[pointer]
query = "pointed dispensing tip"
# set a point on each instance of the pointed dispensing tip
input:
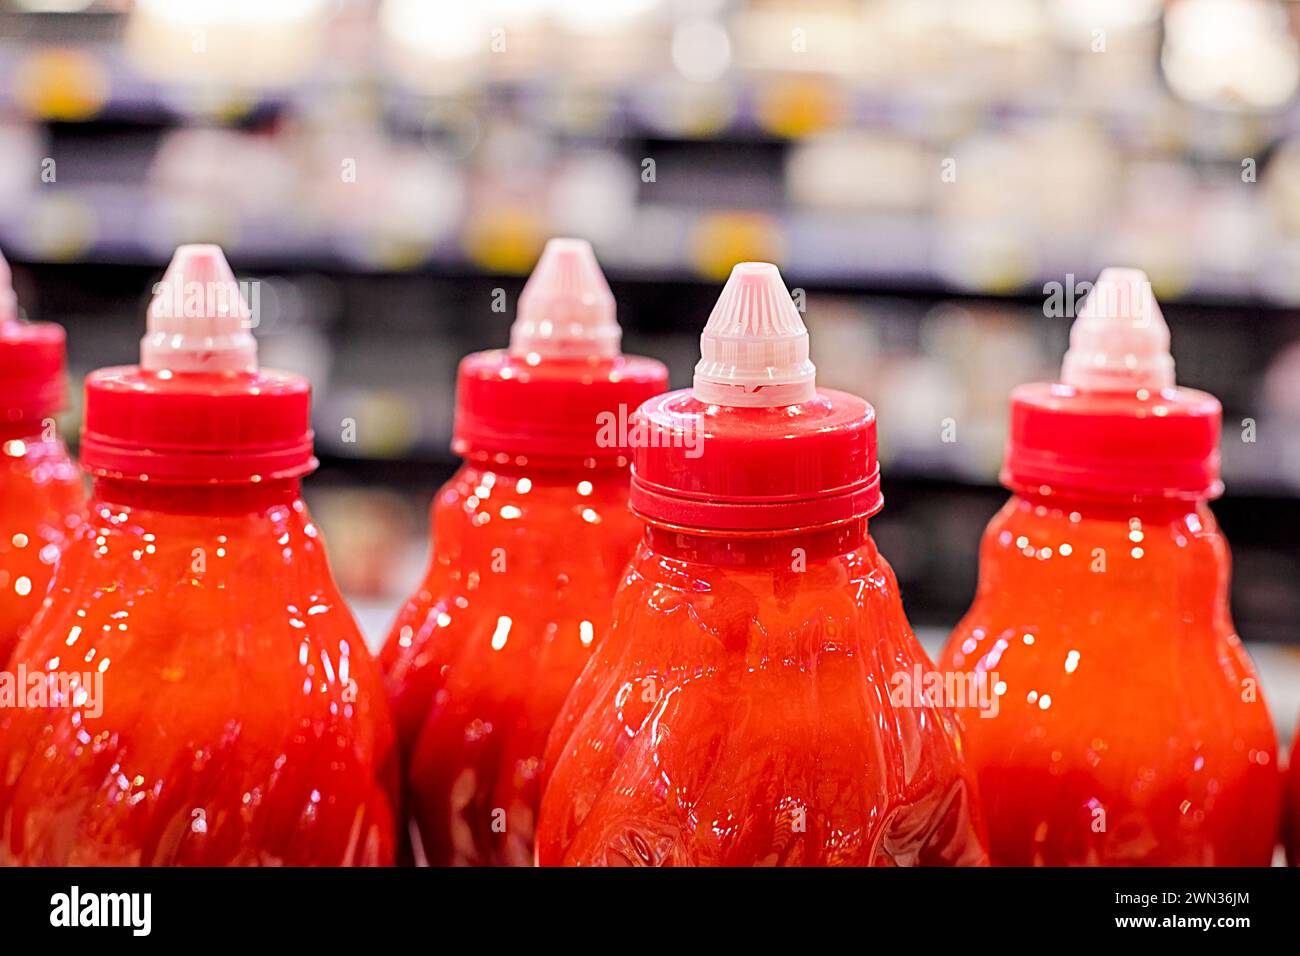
(198, 320)
(8, 298)
(754, 348)
(1119, 341)
(566, 309)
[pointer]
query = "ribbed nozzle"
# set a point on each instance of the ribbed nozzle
(754, 348)
(198, 320)
(1120, 341)
(566, 309)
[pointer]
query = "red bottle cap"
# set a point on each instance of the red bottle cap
(1116, 425)
(509, 407)
(33, 361)
(1143, 444)
(197, 409)
(563, 389)
(740, 469)
(755, 447)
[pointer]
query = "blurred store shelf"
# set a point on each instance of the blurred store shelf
(988, 145)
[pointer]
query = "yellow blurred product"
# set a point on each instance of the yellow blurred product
(504, 239)
(722, 239)
(63, 226)
(62, 84)
(800, 105)
(691, 110)
(389, 424)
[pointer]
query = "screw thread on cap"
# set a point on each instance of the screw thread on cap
(1120, 341)
(198, 320)
(754, 348)
(566, 309)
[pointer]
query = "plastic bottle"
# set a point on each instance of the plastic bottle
(530, 538)
(741, 709)
(208, 699)
(1131, 727)
(40, 490)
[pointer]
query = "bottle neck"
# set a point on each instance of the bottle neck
(757, 550)
(1113, 508)
(1101, 562)
(197, 499)
(507, 465)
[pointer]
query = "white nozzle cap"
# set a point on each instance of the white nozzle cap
(754, 348)
(1120, 341)
(198, 320)
(8, 299)
(566, 309)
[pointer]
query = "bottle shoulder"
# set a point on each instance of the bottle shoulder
(1114, 561)
(231, 583)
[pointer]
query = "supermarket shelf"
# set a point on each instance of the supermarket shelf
(864, 252)
(646, 101)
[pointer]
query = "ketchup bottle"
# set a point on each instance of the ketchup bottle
(739, 711)
(40, 489)
(530, 539)
(206, 697)
(1131, 728)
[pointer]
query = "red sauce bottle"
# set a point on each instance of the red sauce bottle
(40, 489)
(206, 696)
(1130, 728)
(530, 539)
(738, 711)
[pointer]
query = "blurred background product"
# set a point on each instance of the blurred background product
(40, 487)
(937, 179)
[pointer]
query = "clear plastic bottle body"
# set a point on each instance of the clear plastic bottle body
(739, 712)
(223, 708)
(41, 498)
(1131, 728)
(525, 563)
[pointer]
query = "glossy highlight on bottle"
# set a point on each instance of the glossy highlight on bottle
(226, 712)
(41, 502)
(1130, 728)
(734, 716)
